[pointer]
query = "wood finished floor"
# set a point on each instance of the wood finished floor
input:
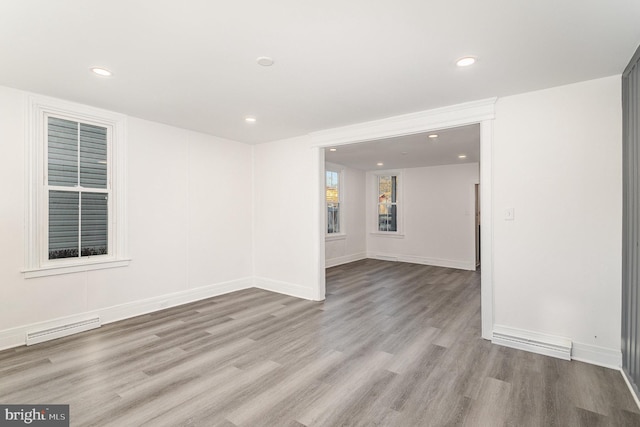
(393, 345)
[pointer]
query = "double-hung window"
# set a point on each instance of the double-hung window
(387, 207)
(78, 190)
(76, 216)
(333, 195)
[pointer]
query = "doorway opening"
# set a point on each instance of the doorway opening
(475, 113)
(405, 199)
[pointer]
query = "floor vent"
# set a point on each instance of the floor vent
(36, 337)
(549, 346)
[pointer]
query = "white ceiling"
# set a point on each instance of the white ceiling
(193, 64)
(411, 151)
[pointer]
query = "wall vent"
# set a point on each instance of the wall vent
(43, 335)
(549, 346)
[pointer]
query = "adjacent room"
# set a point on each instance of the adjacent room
(413, 198)
(409, 213)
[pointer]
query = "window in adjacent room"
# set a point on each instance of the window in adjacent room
(387, 203)
(333, 194)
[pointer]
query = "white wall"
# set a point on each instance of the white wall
(557, 162)
(189, 203)
(437, 209)
(352, 246)
(287, 179)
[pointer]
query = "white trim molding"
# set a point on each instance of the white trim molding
(66, 269)
(333, 262)
(125, 311)
(386, 235)
(407, 124)
(16, 337)
(533, 342)
(320, 220)
(486, 227)
(436, 262)
(596, 355)
(291, 289)
(335, 236)
(631, 387)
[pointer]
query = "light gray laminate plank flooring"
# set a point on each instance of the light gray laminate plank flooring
(393, 345)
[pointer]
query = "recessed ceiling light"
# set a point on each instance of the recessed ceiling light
(265, 61)
(380, 164)
(462, 156)
(333, 149)
(103, 72)
(404, 153)
(250, 119)
(466, 61)
(433, 135)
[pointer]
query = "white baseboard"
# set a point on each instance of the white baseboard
(16, 337)
(437, 262)
(601, 356)
(286, 288)
(632, 389)
(137, 308)
(382, 257)
(333, 262)
(532, 341)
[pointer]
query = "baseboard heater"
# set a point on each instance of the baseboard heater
(549, 346)
(43, 335)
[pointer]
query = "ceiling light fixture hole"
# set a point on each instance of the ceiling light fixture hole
(265, 61)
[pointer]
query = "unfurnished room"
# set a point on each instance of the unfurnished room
(293, 213)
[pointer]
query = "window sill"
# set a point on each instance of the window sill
(332, 237)
(77, 268)
(391, 234)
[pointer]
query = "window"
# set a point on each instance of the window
(333, 194)
(76, 217)
(77, 189)
(387, 203)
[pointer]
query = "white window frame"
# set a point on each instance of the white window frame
(399, 233)
(330, 167)
(37, 263)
